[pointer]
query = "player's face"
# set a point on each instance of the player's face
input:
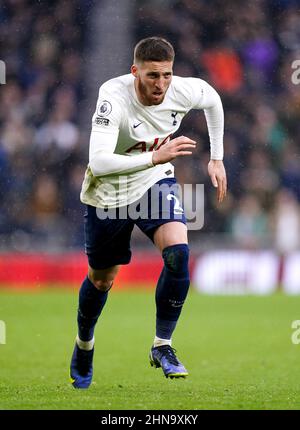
(152, 80)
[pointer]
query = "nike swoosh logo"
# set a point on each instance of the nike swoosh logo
(136, 125)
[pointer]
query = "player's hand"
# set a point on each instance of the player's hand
(174, 148)
(216, 171)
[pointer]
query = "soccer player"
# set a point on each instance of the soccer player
(131, 147)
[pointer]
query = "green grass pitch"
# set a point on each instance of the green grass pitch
(238, 351)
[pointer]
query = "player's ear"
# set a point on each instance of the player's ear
(134, 70)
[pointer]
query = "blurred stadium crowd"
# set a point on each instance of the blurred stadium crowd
(42, 149)
(244, 49)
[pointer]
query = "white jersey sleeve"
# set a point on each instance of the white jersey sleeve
(106, 122)
(204, 96)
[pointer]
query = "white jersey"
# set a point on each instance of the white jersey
(125, 133)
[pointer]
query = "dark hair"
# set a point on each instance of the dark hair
(153, 49)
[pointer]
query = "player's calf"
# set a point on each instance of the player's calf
(172, 289)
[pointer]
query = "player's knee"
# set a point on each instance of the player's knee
(102, 284)
(176, 258)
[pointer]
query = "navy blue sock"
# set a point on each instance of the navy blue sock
(91, 303)
(172, 289)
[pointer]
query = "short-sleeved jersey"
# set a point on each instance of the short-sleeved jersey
(122, 125)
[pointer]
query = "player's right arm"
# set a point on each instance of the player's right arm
(103, 161)
(103, 140)
(106, 123)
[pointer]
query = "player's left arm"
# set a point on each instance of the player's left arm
(214, 115)
(206, 97)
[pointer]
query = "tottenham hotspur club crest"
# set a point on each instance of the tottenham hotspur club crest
(173, 114)
(104, 108)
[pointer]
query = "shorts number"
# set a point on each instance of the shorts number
(177, 208)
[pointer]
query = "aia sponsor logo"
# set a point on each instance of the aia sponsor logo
(142, 146)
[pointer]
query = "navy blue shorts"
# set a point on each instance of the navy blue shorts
(108, 232)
